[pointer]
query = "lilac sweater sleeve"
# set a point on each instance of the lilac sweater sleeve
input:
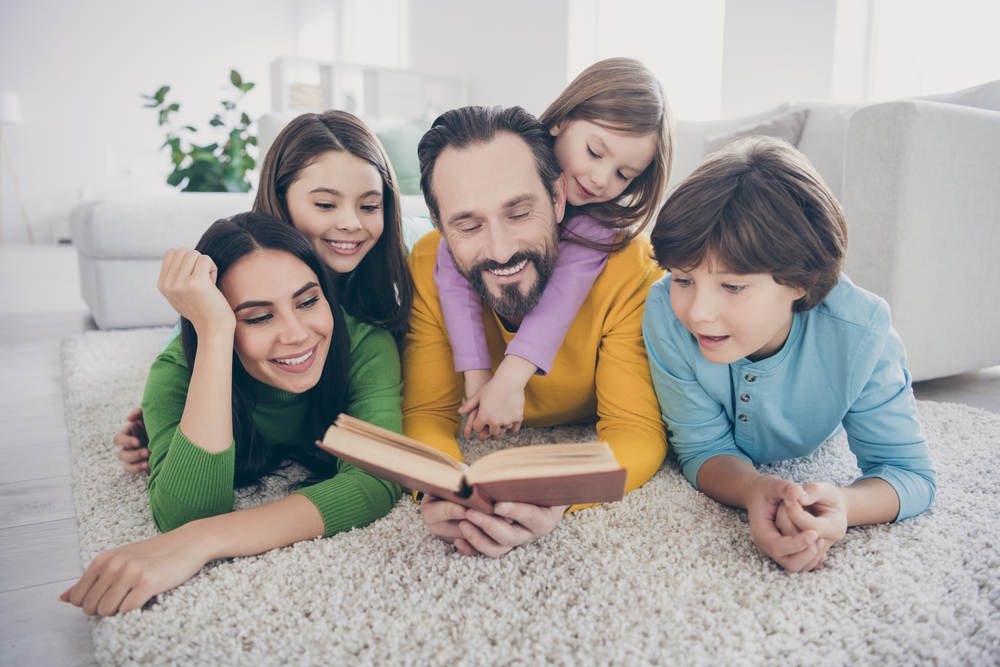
(542, 332)
(463, 314)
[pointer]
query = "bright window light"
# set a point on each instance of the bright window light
(679, 40)
(923, 47)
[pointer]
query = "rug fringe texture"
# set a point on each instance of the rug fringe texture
(665, 577)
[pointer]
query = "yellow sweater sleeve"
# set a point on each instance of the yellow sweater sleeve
(432, 390)
(627, 409)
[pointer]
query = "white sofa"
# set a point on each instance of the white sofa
(121, 240)
(919, 182)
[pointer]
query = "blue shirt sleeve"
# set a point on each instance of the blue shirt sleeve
(883, 430)
(698, 426)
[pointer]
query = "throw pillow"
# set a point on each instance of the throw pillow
(400, 145)
(983, 96)
(787, 126)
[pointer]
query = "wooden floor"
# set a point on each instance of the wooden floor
(40, 305)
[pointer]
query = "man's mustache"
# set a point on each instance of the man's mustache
(517, 258)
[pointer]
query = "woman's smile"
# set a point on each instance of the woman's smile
(297, 363)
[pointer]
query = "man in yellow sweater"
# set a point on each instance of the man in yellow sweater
(496, 195)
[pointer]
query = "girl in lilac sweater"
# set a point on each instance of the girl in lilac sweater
(613, 136)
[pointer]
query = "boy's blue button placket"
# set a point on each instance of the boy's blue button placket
(744, 428)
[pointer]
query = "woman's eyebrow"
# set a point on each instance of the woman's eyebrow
(251, 304)
(254, 304)
(305, 288)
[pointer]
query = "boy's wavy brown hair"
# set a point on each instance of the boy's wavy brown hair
(757, 205)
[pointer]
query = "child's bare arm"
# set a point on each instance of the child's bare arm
(830, 510)
(475, 380)
(498, 406)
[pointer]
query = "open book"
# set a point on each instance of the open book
(543, 475)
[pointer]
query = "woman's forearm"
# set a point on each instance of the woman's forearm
(125, 578)
(207, 420)
(252, 531)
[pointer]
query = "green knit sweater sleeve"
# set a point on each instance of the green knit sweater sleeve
(353, 498)
(185, 481)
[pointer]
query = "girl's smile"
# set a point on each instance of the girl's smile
(599, 163)
(336, 202)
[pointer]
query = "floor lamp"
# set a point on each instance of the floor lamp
(10, 114)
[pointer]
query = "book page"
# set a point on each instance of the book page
(349, 423)
(396, 457)
(559, 460)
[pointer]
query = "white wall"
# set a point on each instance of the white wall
(80, 67)
(511, 52)
(680, 41)
(775, 51)
(923, 47)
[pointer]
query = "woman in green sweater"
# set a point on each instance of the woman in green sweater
(328, 176)
(265, 361)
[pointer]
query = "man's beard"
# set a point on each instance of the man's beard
(512, 302)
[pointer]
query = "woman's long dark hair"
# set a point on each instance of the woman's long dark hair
(380, 290)
(228, 241)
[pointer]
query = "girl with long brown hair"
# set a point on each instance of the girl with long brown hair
(613, 136)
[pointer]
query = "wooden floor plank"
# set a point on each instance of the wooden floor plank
(25, 463)
(36, 630)
(38, 554)
(46, 406)
(23, 503)
(36, 430)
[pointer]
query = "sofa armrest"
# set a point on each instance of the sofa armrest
(121, 241)
(922, 201)
(145, 226)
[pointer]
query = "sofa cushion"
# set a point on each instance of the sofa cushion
(824, 138)
(983, 96)
(144, 226)
(690, 148)
(787, 126)
(400, 145)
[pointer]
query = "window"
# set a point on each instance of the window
(679, 40)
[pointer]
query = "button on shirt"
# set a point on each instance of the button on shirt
(842, 364)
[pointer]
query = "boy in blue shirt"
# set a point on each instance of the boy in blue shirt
(760, 349)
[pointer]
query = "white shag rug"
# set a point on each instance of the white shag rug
(667, 576)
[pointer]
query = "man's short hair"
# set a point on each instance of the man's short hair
(756, 206)
(475, 125)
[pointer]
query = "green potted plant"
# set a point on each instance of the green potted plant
(215, 167)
